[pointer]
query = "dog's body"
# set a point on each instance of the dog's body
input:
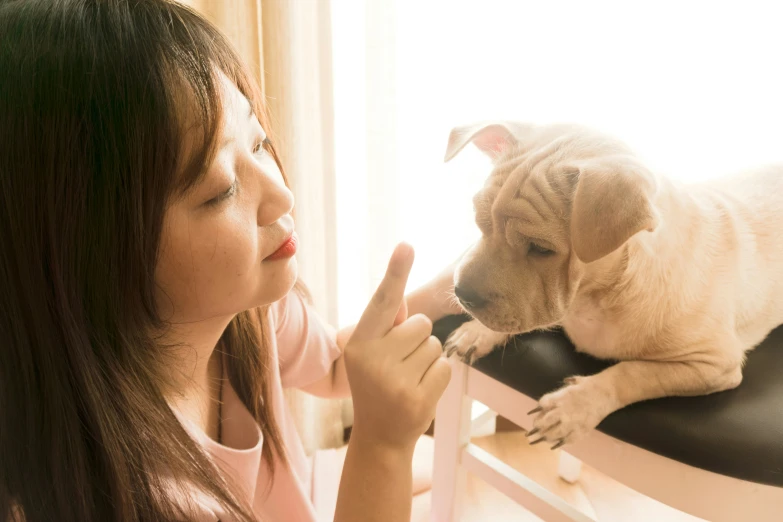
(714, 264)
(676, 282)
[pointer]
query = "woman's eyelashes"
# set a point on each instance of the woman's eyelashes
(226, 194)
(261, 147)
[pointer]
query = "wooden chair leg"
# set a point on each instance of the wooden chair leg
(452, 434)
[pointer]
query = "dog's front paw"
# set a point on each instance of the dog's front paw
(568, 414)
(472, 340)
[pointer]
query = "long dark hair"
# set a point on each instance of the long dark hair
(93, 95)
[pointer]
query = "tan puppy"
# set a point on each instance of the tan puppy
(676, 282)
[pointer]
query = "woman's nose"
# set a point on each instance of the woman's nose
(276, 201)
(275, 198)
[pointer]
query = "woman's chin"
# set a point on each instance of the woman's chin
(279, 282)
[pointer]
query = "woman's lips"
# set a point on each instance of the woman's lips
(286, 250)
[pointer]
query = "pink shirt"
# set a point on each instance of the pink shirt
(303, 349)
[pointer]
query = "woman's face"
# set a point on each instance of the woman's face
(218, 241)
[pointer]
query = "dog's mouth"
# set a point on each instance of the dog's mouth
(508, 322)
(495, 323)
(483, 308)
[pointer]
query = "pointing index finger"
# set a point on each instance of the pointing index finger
(378, 317)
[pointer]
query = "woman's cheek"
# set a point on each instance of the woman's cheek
(242, 250)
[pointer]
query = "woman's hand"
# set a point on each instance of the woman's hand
(394, 365)
(397, 375)
(435, 300)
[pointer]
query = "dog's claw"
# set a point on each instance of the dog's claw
(560, 443)
(468, 357)
(450, 349)
(532, 432)
(537, 441)
(535, 410)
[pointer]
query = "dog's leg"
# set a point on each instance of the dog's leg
(473, 340)
(569, 413)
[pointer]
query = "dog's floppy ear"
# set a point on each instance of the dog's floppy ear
(492, 138)
(612, 203)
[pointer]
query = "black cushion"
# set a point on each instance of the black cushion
(738, 433)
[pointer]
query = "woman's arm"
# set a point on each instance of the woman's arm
(334, 385)
(398, 376)
(376, 483)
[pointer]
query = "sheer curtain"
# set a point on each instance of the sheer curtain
(695, 87)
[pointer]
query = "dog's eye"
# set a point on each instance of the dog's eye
(538, 250)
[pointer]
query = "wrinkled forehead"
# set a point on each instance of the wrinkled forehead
(524, 176)
(532, 185)
(543, 164)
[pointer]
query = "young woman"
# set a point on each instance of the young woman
(149, 314)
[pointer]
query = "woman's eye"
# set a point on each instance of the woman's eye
(223, 195)
(260, 147)
(538, 250)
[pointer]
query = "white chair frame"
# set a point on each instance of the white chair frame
(704, 494)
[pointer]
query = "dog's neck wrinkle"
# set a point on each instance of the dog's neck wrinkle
(603, 276)
(667, 242)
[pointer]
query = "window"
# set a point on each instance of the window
(694, 87)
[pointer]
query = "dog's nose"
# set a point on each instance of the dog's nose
(469, 298)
